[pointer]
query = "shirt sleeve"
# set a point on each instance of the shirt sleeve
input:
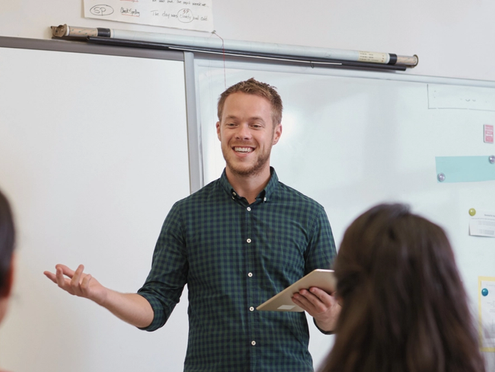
(321, 330)
(168, 275)
(321, 251)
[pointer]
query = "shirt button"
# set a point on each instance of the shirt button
(253, 343)
(249, 209)
(248, 240)
(250, 275)
(251, 308)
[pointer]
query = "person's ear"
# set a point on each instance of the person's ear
(277, 133)
(218, 131)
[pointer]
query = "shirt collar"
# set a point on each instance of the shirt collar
(264, 195)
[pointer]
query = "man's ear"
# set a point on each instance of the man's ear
(9, 281)
(277, 133)
(218, 130)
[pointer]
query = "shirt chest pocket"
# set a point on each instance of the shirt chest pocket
(279, 249)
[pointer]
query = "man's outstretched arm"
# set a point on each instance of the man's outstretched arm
(130, 307)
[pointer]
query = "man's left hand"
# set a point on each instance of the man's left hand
(323, 307)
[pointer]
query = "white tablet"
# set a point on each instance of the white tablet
(321, 278)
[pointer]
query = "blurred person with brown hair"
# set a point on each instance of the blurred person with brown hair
(7, 238)
(404, 306)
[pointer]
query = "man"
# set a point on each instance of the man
(235, 243)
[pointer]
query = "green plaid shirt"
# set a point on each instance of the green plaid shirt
(234, 256)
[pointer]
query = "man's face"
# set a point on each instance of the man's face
(247, 133)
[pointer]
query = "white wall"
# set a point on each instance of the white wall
(451, 38)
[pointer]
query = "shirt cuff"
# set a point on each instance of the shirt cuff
(321, 330)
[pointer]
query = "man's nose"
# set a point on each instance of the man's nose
(243, 132)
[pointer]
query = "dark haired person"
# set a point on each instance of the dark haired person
(7, 237)
(404, 307)
(235, 243)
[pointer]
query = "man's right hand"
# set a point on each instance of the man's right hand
(130, 307)
(78, 283)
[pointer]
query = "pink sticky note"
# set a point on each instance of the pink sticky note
(488, 133)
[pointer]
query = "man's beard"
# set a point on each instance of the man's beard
(252, 170)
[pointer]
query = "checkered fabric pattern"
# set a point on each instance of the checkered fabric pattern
(233, 256)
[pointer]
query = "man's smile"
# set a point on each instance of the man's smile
(243, 149)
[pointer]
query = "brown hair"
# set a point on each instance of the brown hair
(404, 307)
(257, 88)
(7, 238)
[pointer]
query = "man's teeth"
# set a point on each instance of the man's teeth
(243, 149)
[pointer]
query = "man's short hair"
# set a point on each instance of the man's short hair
(252, 86)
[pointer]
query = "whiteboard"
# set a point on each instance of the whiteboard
(93, 153)
(352, 139)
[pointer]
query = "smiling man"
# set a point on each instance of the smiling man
(235, 243)
(247, 132)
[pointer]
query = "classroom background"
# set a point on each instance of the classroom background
(102, 202)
